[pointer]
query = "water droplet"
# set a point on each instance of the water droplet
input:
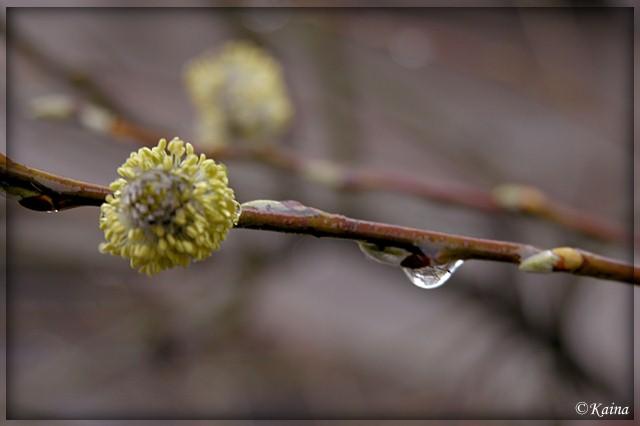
(386, 255)
(430, 277)
(41, 203)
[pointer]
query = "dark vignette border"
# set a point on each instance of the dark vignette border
(10, 10)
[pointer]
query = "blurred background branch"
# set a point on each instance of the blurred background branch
(511, 198)
(98, 115)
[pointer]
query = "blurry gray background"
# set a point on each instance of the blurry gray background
(292, 326)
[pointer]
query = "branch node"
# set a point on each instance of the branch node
(570, 259)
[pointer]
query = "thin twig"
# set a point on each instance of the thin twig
(77, 79)
(511, 199)
(44, 191)
(522, 200)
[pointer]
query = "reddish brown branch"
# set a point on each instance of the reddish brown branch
(326, 173)
(293, 217)
(45, 191)
(523, 200)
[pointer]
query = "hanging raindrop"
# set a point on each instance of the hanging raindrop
(431, 277)
(386, 255)
(41, 203)
(427, 277)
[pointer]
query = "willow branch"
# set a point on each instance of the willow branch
(44, 191)
(519, 200)
(511, 199)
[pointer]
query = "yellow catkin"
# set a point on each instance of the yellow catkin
(155, 208)
(239, 92)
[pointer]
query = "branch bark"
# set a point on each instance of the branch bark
(39, 190)
(327, 173)
(518, 199)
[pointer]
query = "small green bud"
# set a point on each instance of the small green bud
(539, 262)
